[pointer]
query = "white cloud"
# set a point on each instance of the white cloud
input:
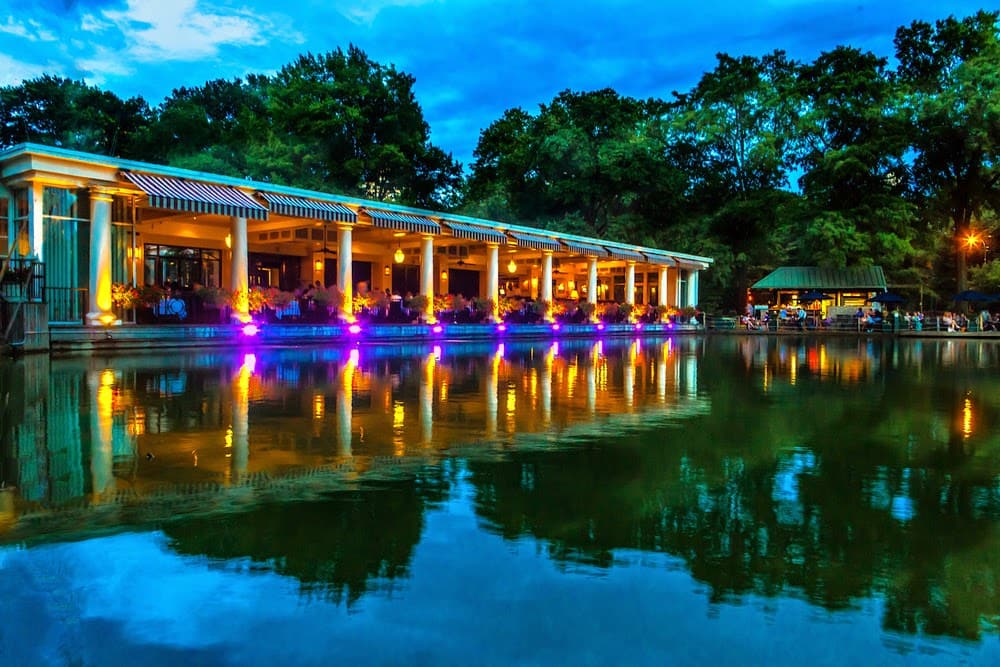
(183, 30)
(102, 64)
(31, 30)
(13, 72)
(364, 12)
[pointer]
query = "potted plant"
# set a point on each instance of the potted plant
(327, 301)
(418, 306)
(661, 313)
(687, 312)
(541, 308)
(625, 311)
(587, 309)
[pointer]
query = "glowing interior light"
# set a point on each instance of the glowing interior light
(354, 328)
(437, 328)
(250, 329)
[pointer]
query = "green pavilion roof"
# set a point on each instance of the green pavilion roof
(816, 278)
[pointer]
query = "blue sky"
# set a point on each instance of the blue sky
(472, 59)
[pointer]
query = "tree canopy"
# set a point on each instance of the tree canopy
(842, 161)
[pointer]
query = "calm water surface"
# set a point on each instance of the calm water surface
(686, 501)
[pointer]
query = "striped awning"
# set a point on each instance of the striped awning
(181, 194)
(587, 249)
(535, 241)
(657, 258)
(626, 255)
(403, 222)
(476, 232)
(300, 207)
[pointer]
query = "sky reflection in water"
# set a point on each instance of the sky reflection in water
(747, 500)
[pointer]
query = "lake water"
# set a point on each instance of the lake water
(721, 500)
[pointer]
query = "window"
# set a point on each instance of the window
(176, 266)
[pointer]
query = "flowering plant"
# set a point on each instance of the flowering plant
(124, 296)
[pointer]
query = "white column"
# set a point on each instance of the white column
(679, 295)
(592, 285)
(630, 282)
(36, 229)
(345, 273)
(692, 290)
(662, 289)
(239, 272)
(427, 275)
(493, 276)
(99, 308)
(546, 287)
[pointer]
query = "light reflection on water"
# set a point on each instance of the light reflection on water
(750, 488)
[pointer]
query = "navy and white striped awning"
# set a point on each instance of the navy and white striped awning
(181, 194)
(476, 232)
(657, 258)
(586, 249)
(403, 222)
(626, 255)
(300, 207)
(535, 241)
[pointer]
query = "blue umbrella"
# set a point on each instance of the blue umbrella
(973, 295)
(887, 297)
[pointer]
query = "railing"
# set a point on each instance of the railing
(22, 280)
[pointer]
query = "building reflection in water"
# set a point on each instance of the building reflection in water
(764, 464)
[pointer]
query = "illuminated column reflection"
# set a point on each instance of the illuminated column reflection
(691, 375)
(661, 372)
(102, 393)
(239, 440)
(345, 405)
(492, 389)
(426, 396)
(629, 375)
(595, 358)
(546, 383)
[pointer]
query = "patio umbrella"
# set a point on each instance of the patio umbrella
(973, 296)
(813, 295)
(887, 297)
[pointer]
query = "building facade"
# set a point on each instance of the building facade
(88, 221)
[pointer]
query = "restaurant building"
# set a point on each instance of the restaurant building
(77, 223)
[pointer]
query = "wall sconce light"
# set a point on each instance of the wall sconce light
(398, 256)
(444, 274)
(511, 266)
(318, 265)
(386, 271)
(229, 240)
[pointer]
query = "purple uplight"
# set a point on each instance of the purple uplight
(638, 326)
(670, 326)
(501, 327)
(600, 327)
(250, 329)
(437, 328)
(354, 328)
(555, 327)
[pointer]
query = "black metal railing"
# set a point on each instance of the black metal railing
(22, 279)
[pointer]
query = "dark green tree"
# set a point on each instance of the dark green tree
(70, 114)
(949, 71)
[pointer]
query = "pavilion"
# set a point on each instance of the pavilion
(86, 221)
